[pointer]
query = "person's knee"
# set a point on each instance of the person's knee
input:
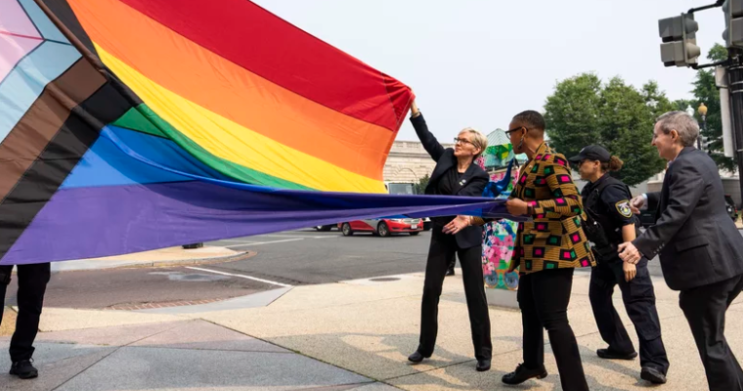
(556, 320)
(431, 292)
(597, 294)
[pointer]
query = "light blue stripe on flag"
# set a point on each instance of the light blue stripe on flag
(43, 24)
(20, 89)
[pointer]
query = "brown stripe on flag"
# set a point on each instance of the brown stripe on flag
(28, 139)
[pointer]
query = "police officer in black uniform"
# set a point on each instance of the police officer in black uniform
(606, 201)
(32, 282)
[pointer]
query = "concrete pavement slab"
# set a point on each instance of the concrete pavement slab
(374, 338)
(108, 336)
(7, 325)
(376, 387)
(371, 338)
(363, 326)
(686, 371)
(359, 291)
(55, 319)
(57, 363)
(139, 368)
(202, 335)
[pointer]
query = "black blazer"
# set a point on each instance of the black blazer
(475, 179)
(697, 241)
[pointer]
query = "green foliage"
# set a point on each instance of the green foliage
(420, 187)
(584, 111)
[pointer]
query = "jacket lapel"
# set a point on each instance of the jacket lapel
(444, 164)
(667, 183)
(465, 178)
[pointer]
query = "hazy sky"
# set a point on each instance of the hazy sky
(479, 62)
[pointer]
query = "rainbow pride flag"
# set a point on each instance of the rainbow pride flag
(130, 125)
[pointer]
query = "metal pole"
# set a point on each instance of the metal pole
(699, 138)
(735, 83)
(721, 80)
(704, 126)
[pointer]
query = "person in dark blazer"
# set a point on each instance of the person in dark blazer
(455, 174)
(701, 251)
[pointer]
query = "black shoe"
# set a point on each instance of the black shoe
(24, 369)
(522, 374)
(450, 271)
(483, 365)
(653, 375)
(612, 355)
(417, 357)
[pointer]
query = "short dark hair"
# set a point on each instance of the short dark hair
(531, 119)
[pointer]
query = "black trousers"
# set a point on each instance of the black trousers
(705, 309)
(543, 298)
(639, 300)
(441, 251)
(32, 281)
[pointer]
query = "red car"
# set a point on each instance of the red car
(382, 227)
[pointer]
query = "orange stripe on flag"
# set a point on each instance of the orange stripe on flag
(233, 92)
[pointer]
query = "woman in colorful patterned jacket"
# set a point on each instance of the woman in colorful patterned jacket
(547, 251)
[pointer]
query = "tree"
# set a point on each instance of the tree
(615, 115)
(705, 91)
(420, 188)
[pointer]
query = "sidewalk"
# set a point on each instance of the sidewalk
(156, 258)
(342, 336)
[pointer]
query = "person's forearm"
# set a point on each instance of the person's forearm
(628, 233)
(414, 111)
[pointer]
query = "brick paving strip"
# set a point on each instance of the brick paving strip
(149, 306)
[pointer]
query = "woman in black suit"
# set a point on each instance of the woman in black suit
(455, 174)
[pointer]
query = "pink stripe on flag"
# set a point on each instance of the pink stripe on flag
(12, 50)
(15, 20)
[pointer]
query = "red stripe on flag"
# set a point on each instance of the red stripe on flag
(261, 42)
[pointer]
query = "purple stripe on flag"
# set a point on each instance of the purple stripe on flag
(81, 223)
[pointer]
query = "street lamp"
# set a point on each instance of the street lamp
(702, 110)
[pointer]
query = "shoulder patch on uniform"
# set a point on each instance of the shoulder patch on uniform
(624, 209)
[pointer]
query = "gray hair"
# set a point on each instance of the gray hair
(686, 126)
(478, 139)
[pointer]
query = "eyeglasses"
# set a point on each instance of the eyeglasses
(509, 131)
(462, 140)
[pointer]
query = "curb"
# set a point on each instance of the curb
(190, 262)
(171, 263)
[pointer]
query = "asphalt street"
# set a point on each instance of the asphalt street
(283, 259)
(290, 258)
(312, 257)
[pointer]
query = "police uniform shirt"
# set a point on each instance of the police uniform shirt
(614, 204)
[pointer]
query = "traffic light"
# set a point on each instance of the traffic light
(679, 45)
(733, 34)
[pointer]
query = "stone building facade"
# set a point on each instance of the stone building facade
(408, 162)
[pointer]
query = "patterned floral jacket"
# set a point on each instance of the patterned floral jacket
(555, 238)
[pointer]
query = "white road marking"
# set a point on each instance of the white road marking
(234, 241)
(269, 242)
(240, 276)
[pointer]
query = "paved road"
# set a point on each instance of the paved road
(311, 257)
(289, 258)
